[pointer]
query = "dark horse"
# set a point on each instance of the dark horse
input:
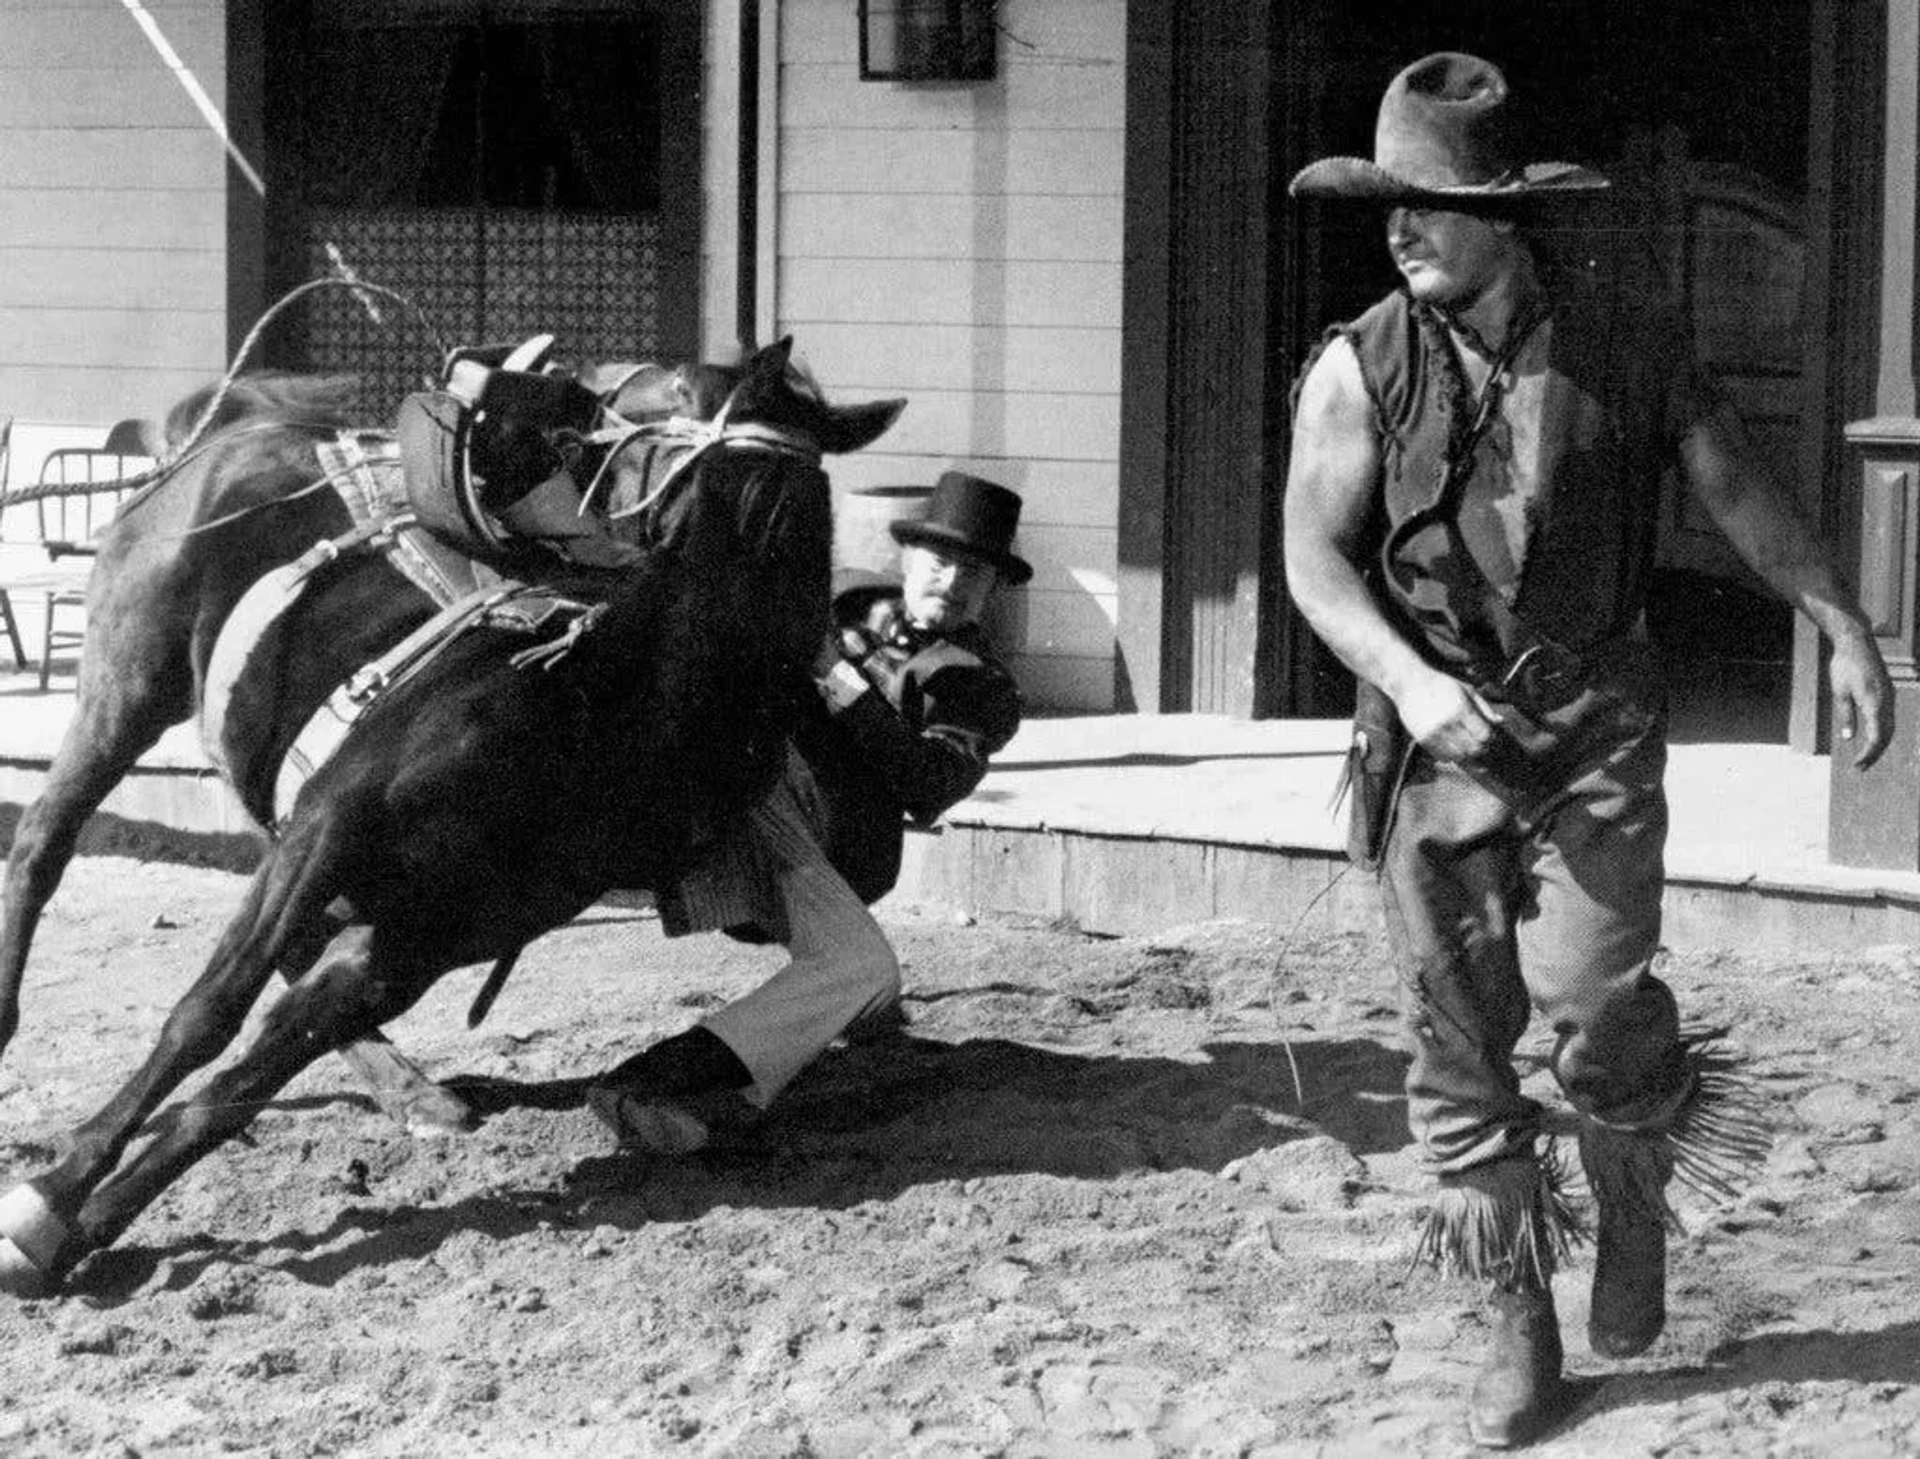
(475, 806)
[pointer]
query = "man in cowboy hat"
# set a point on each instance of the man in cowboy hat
(1470, 518)
(910, 704)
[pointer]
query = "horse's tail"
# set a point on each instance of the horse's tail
(267, 395)
(324, 401)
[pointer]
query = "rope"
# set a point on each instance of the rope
(1279, 966)
(140, 485)
(41, 491)
(359, 287)
(280, 501)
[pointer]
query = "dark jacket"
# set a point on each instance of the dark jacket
(916, 746)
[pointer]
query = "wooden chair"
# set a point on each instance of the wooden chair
(8, 622)
(66, 527)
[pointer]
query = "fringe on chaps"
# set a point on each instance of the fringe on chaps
(1514, 1220)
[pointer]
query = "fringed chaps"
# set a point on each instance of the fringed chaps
(1712, 1137)
(1509, 1222)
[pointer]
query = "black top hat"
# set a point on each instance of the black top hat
(1445, 131)
(971, 515)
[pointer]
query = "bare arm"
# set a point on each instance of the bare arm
(1770, 532)
(1333, 481)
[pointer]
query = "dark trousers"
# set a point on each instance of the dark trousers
(1536, 886)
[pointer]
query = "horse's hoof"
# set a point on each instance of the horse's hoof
(31, 1236)
(19, 1277)
(437, 1111)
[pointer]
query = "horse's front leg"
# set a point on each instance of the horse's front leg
(351, 993)
(36, 1239)
(130, 691)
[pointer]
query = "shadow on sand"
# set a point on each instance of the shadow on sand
(868, 1123)
(1889, 1355)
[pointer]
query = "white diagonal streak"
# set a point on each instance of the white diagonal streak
(196, 93)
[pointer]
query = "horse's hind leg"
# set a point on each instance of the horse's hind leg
(351, 993)
(135, 681)
(289, 889)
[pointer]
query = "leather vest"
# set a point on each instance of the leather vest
(1621, 391)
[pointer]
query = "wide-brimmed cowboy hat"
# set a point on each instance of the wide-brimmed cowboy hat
(1446, 131)
(969, 514)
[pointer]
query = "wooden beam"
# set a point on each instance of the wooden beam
(246, 106)
(746, 302)
(1140, 680)
(1899, 286)
(1844, 203)
(678, 32)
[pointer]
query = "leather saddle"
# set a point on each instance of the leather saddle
(490, 457)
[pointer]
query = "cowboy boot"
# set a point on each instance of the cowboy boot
(1628, 1173)
(1507, 1221)
(1519, 1393)
(667, 1100)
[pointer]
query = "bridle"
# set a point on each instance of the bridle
(690, 439)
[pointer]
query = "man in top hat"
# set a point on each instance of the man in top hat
(1471, 515)
(913, 701)
(909, 703)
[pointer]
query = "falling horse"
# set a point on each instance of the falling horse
(495, 789)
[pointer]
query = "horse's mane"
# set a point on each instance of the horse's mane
(324, 400)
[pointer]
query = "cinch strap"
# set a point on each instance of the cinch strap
(259, 608)
(327, 730)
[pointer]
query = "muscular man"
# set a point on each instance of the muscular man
(910, 703)
(1470, 520)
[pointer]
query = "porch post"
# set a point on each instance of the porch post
(1874, 819)
(1143, 679)
(1201, 386)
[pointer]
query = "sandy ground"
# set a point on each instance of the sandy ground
(1107, 1197)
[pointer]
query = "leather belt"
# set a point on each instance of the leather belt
(1546, 675)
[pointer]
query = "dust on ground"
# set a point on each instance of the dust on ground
(1107, 1197)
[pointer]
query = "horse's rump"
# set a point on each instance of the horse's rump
(326, 402)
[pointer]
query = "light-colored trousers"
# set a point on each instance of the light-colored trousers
(840, 965)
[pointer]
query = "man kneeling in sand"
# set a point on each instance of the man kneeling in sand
(910, 704)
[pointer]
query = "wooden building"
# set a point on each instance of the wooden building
(1082, 272)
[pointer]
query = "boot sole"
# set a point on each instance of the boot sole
(650, 1125)
(1525, 1428)
(1632, 1270)
(1615, 1345)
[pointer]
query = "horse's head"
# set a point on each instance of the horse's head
(766, 389)
(715, 424)
(742, 499)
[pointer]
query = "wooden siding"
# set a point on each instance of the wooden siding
(113, 222)
(961, 246)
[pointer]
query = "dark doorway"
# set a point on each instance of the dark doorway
(510, 170)
(1700, 112)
